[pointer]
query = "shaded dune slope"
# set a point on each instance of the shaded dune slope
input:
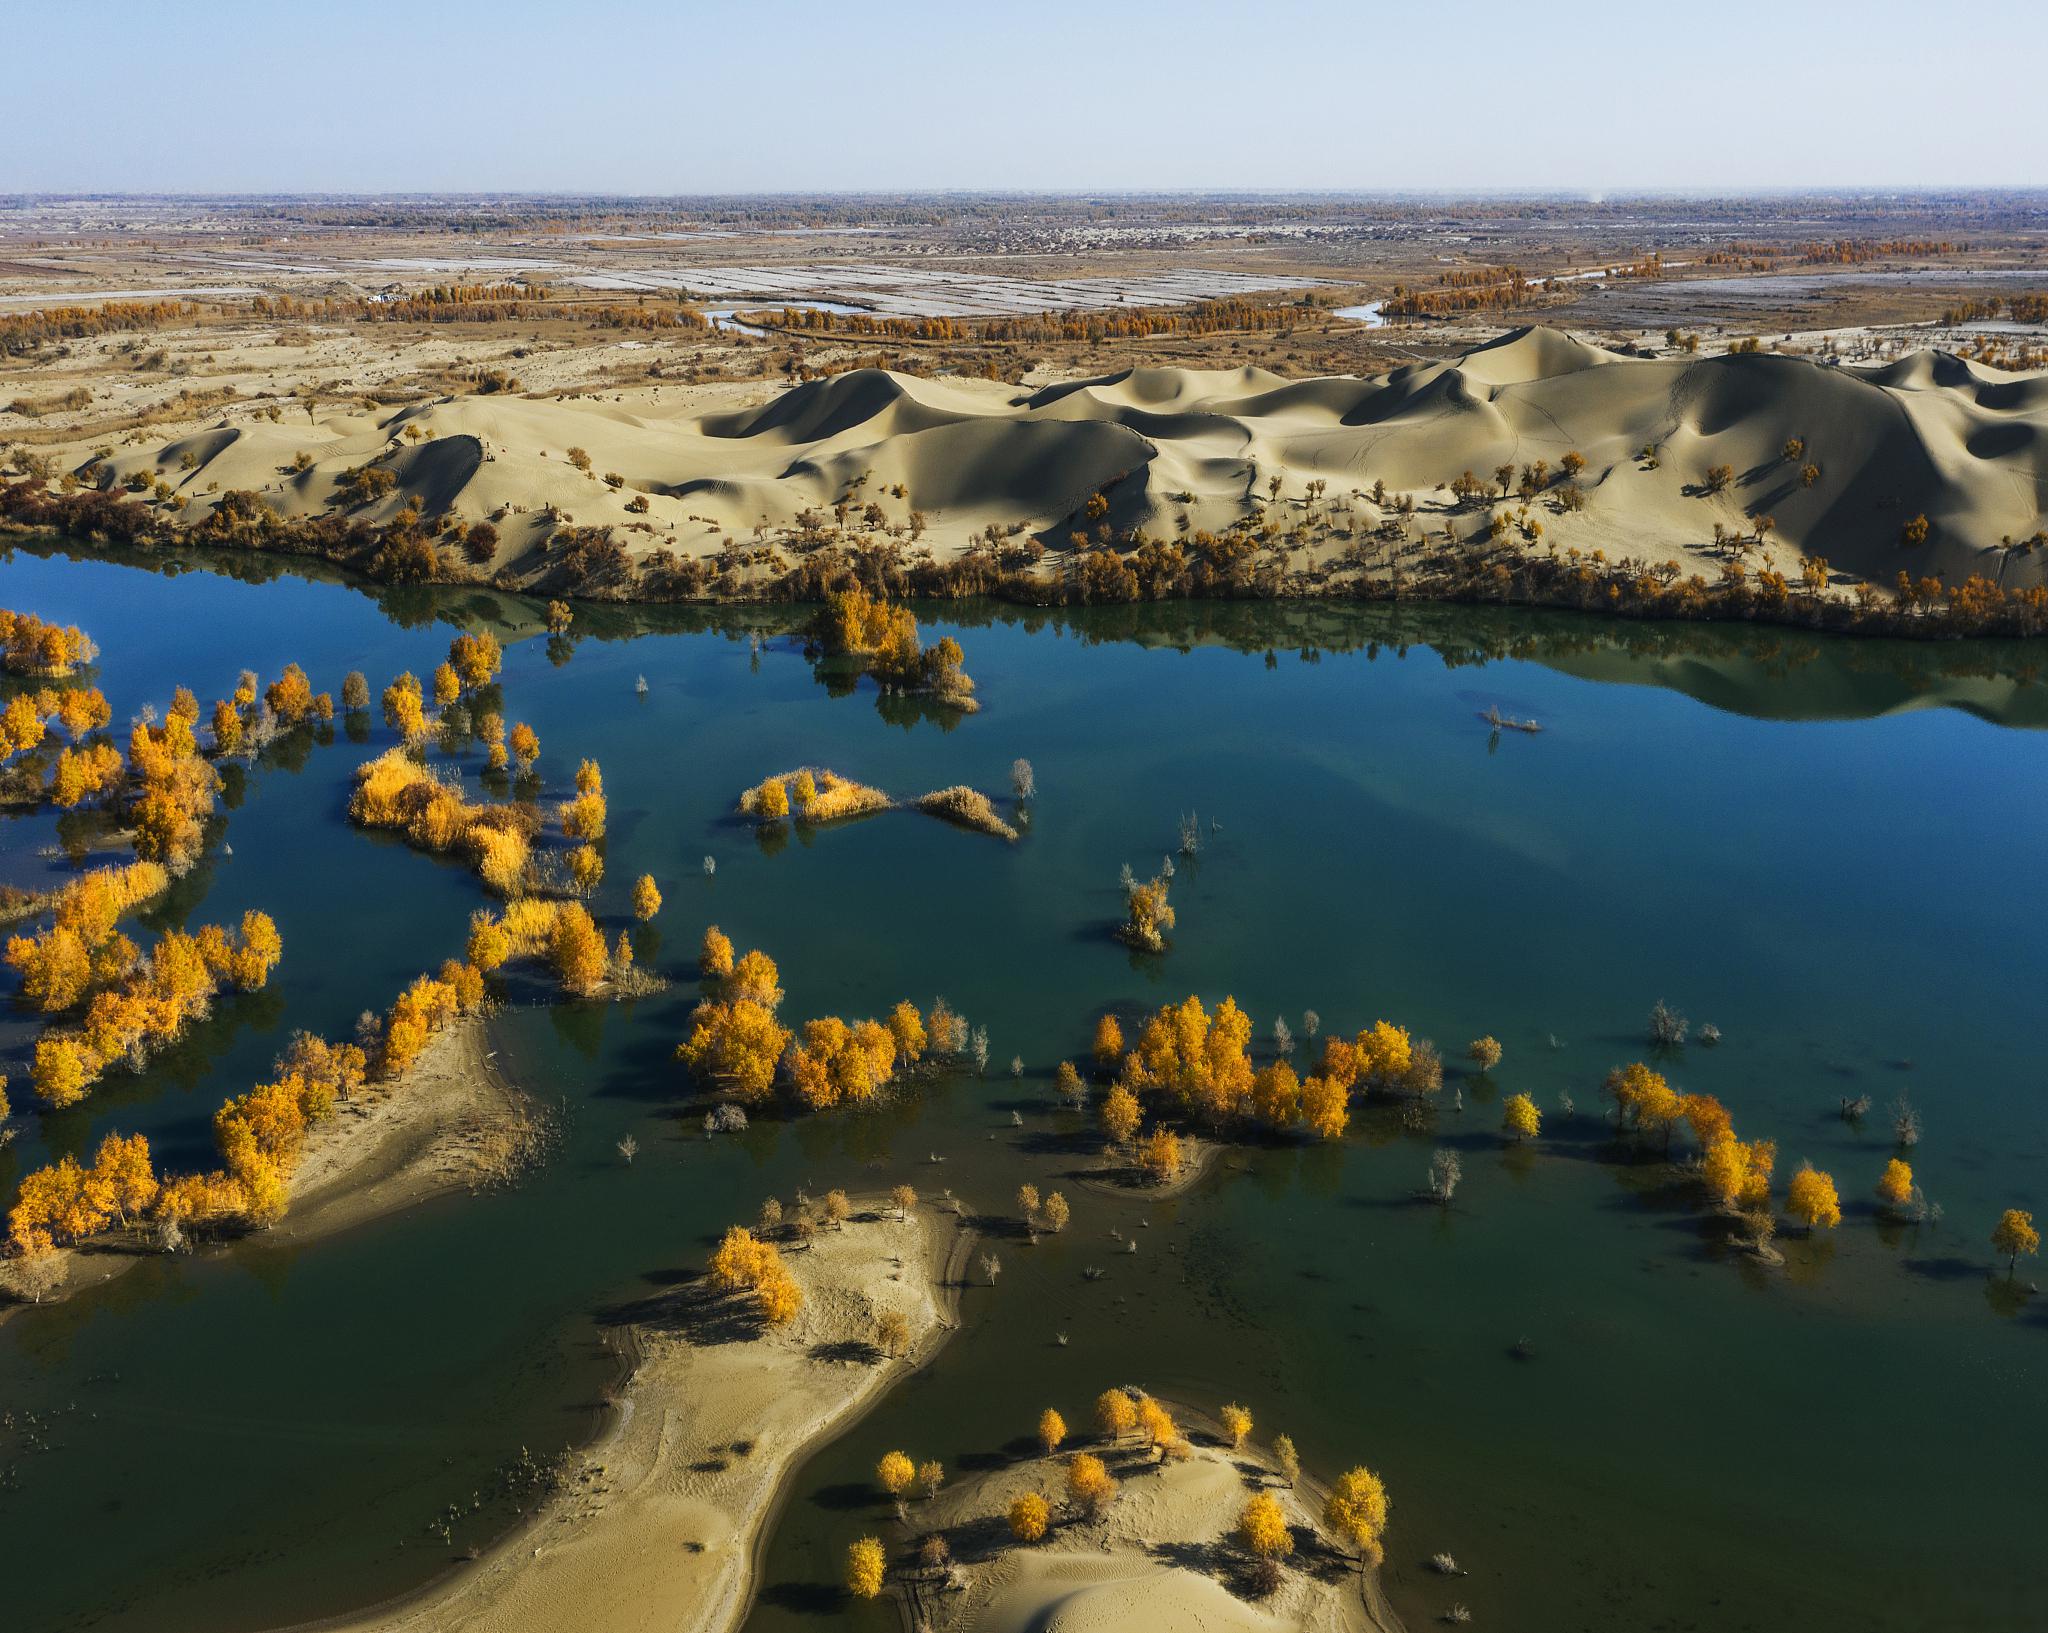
(1174, 450)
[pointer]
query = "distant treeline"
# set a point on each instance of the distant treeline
(22, 333)
(1230, 314)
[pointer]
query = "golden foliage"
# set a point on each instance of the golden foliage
(1520, 1118)
(745, 1263)
(1357, 1508)
(28, 646)
(1029, 1516)
(894, 1473)
(1237, 1423)
(839, 1064)
(1109, 1043)
(815, 793)
(1147, 915)
(1325, 1107)
(646, 898)
(1895, 1184)
(970, 808)
(1810, 1198)
(1091, 1488)
(1052, 1429)
(152, 1003)
(1116, 1414)
(1262, 1527)
(1161, 1156)
(1195, 1061)
(1120, 1115)
(715, 957)
(866, 1568)
(2014, 1234)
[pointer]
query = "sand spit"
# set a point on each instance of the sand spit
(659, 1526)
(1673, 447)
(1163, 1557)
(452, 1122)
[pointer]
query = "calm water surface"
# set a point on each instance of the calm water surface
(1827, 849)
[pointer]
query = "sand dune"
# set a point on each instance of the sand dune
(1171, 449)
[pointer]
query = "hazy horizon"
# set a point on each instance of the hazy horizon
(1305, 97)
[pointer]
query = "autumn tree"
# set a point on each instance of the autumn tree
(2013, 1235)
(1356, 1509)
(1116, 1414)
(1120, 1115)
(646, 898)
(1237, 1423)
(714, 958)
(903, 1198)
(866, 1568)
(1810, 1198)
(1161, 1156)
(1484, 1053)
(1520, 1118)
(1029, 1516)
(1052, 1429)
(1262, 1527)
(1109, 1043)
(1091, 1488)
(1895, 1185)
(894, 1473)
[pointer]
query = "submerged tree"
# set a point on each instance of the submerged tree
(2013, 1235)
(866, 1566)
(1810, 1198)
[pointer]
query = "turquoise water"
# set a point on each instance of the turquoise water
(1825, 848)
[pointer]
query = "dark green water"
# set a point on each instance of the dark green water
(1828, 849)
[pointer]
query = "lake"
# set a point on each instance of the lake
(1827, 848)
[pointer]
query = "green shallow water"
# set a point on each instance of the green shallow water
(1826, 848)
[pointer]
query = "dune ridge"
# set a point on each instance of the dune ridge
(1839, 459)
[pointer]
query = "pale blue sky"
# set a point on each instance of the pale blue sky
(788, 95)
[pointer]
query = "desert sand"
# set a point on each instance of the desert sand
(1163, 1557)
(1931, 435)
(658, 1525)
(452, 1122)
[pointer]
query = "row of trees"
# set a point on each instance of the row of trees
(154, 1000)
(260, 1135)
(737, 1046)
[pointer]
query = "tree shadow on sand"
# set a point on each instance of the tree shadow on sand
(695, 1311)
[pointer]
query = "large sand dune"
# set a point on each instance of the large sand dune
(1964, 446)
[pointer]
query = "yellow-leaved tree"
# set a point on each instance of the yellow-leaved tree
(866, 1566)
(1262, 1528)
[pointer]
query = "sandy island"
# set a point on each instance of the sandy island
(659, 1525)
(1163, 1557)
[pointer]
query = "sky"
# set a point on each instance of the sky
(626, 97)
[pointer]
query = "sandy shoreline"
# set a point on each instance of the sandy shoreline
(1535, 468)
(660, 1523)
(453, 1122)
